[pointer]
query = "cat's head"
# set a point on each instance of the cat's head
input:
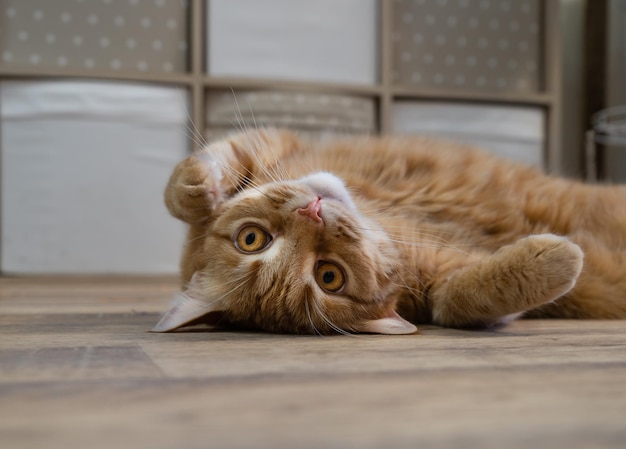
(293, 257)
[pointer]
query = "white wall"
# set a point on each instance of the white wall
(84, 165)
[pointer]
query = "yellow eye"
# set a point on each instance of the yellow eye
(330, 276)
(252, 239)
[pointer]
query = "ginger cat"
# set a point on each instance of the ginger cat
(379, 234)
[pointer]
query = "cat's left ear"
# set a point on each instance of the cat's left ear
(392, 324)
(186, 307)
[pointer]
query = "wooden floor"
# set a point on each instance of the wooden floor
(79, 369)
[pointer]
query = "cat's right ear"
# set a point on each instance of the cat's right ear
(392, 324)
(186, 307)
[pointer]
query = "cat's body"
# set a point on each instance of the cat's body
(434, 231)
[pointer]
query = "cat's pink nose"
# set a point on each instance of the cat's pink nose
(312, 210)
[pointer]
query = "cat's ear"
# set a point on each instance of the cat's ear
(187, 306)
(392, 324)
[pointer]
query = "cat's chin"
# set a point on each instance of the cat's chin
(326, 185)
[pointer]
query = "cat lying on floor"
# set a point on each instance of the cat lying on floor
(379, 234)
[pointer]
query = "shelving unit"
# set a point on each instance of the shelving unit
(370, 107)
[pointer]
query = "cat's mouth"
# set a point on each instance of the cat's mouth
(313, 210)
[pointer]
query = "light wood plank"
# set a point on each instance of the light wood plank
(79, 368)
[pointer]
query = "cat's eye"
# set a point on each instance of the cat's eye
(330, 276)
(252, 238)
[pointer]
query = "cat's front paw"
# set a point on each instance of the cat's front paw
(524, 275)
(553, 263)
(194, 189)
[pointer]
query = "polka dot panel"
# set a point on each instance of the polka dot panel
(117, 35)
(469, 45)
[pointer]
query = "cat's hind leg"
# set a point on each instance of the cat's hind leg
(533, 271)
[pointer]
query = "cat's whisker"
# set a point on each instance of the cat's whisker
(275, 172)
(432, 236)
(232, 173)
(308, 316)
(265, 147)
(200, 237)
(417, 292)
(279, 168)
(409, 229)
(272, 171)
(238, 114)
(235, 176)
(422, 239)
(328, 322)
(434, 245)
(193, 138)
(237, 282)
(256, 127)
(199, 141)
(283, 170)
(432, 241)
(189, 128)
(196, 135)
(252, 144)
(426, 240)
(255, 145)
(236, 124)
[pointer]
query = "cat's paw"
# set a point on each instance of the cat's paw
(552, 262)
(194, 189)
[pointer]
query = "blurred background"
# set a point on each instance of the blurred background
(100, 98)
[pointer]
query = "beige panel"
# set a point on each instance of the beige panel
(475, 45)
(124, 35)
